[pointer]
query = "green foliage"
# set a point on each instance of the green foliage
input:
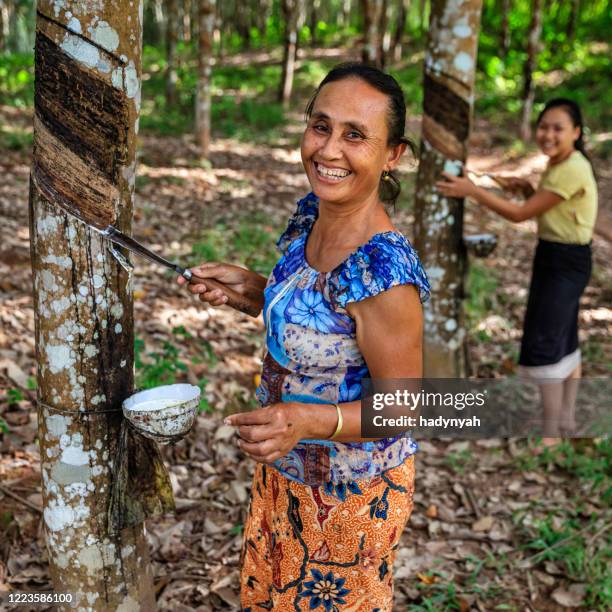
(570, 545)
(567, 65)
(3, 426)
(17, 79)
(247, 240)
(165, 367)
(459, 461)
(247, 120)
(14, 395)
(480, 290)
(15, 139)
(157, 368)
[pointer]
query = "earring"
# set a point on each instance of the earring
(386, 176)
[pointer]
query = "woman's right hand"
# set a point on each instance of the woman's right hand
(243, 281)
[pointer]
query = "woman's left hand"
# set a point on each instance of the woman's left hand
(455, 186)
(268, 433)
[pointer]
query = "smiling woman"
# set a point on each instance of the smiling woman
(342, 304)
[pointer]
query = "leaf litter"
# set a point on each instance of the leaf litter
(474, 518)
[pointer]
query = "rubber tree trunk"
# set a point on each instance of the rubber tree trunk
(313, 20)
(384, 38)
(186, 20)
(291, 14)
(449, 70)
(371, 11)
(403, 6)
(533, 44)
(87, 100)
(573, 18)
(506, 7)
(206, 26)
(172, 17)
(344, 14)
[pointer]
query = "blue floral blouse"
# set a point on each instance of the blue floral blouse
(312, 353)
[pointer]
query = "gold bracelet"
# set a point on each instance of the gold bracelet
(340, 422)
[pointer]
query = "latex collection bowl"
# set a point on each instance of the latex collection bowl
(164, 414)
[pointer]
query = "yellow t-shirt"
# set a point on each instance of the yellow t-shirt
(572, 220)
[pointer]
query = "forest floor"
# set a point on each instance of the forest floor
(495, 525)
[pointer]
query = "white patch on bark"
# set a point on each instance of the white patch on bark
(462, 30)
(117, 310)
(57, 515)
(60, 357)
(463, 62)
(91, 350)
(80, 50)
(60, 261)
(103, 34)
(57, 425)
(75, 455)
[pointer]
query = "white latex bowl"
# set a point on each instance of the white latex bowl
(164, 414)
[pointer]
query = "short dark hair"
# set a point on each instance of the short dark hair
(573, 110)
(390, 189)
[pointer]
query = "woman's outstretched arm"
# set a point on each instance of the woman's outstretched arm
(462, 187)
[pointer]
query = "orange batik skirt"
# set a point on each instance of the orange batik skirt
(306, 550)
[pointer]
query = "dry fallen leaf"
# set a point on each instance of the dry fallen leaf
(483, 524)
(432, 511)
(571, 598)
(427, 578)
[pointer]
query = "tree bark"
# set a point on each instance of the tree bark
(313, 20)
(533, 44)
(506, 7)
(171, 40)
(291, 14)
(371, 11)
(449, 70)
(384, 34)
(403, 6)
(573, 19)
(344, 14)
(87, 101)
(187, 21)
(206, 20)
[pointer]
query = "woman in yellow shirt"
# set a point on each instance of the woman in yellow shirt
(565, 205)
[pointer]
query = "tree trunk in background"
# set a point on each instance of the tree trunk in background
(291, 14)
(344, 15)
(313, 20)
(261, 17)
(371, 11)
(3, 25)
(573, 19)
(533, 43)
(187, 21)
(385, 34)
(403, 6)
(160, 19)
(172, 19)
(87, 101)
(206, 26)
(449, 70)
(422, 12)
(505, 26)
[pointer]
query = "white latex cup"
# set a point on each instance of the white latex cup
(164, 414)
